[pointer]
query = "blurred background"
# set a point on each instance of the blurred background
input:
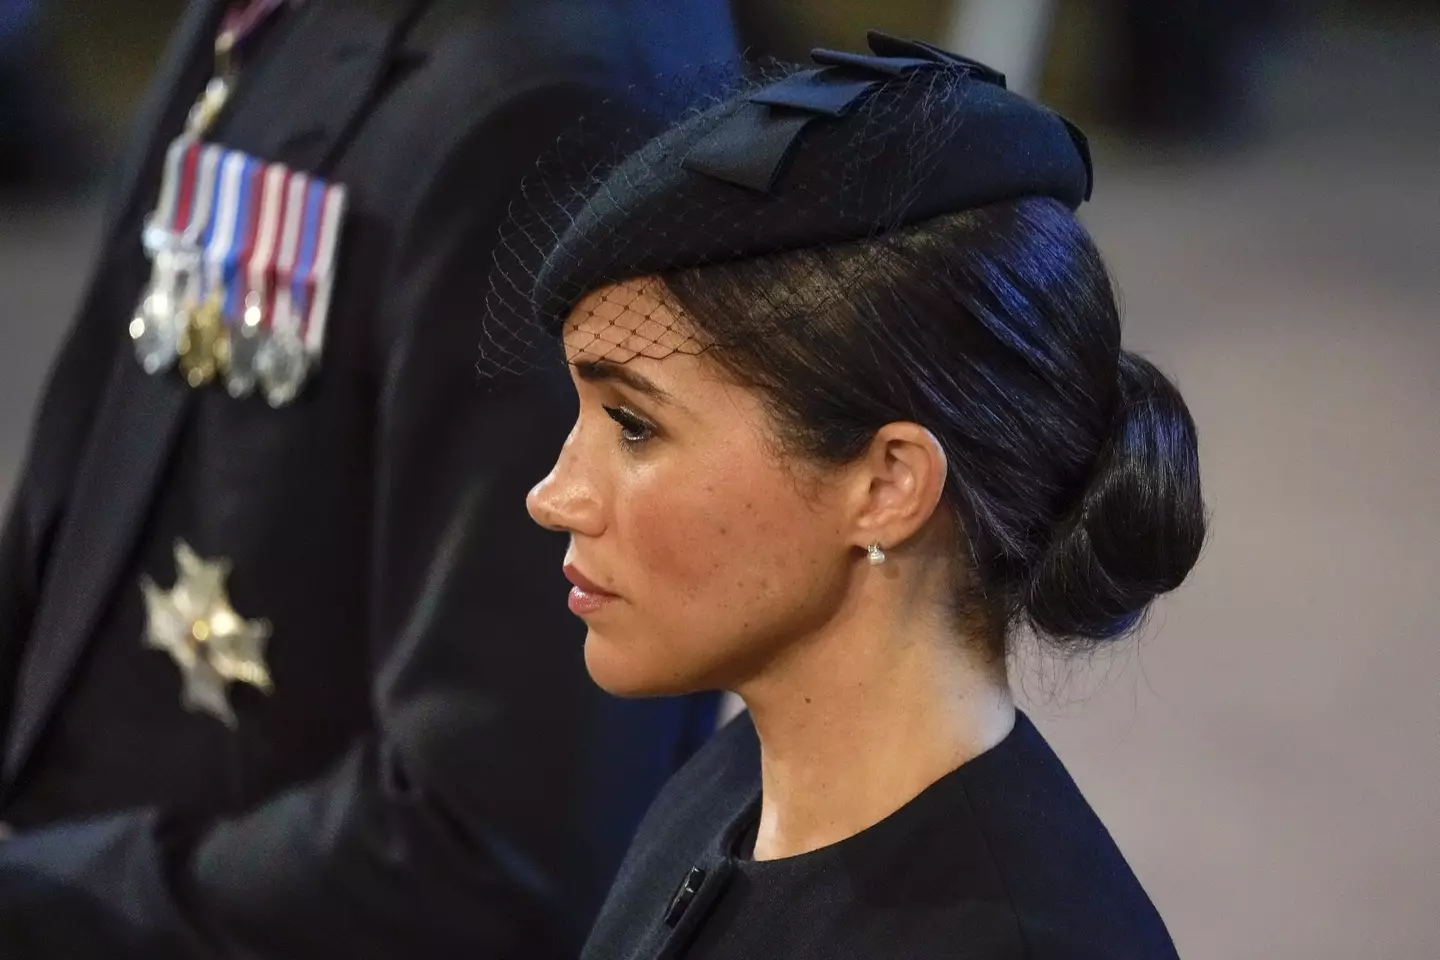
(1268, 193)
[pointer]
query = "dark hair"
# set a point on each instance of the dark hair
(1073, 463)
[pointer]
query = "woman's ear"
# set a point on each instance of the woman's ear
(899, 482)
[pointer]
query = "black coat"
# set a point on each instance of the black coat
(433, 773)
(1001, 859)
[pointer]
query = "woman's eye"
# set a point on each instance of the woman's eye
(633, 430)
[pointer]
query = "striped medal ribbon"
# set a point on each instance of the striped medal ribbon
(244, 254)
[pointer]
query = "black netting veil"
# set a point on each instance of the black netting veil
(745, 161)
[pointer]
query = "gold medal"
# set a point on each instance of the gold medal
(205, 344)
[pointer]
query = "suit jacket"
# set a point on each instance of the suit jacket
(433, 771)
(1002, 859)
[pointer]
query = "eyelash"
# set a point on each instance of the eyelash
(634, 431)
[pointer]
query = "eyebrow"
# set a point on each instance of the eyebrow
(601, 371)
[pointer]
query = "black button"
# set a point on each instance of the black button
(681, 901)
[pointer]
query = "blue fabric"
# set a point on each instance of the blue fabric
(16, 17)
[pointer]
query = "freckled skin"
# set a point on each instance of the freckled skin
(714, 549)
(711, 561)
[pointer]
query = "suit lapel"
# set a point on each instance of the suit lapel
(320, 77)
(295, 109)
(180, 77)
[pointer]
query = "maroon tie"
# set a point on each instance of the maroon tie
(244, 18)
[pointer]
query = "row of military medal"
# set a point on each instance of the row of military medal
(243, 256)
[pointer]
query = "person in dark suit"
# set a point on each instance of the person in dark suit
(280, 670)
(854, 409)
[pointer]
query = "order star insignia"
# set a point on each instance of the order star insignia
(211, 644)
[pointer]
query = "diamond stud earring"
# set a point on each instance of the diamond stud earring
(874, 554)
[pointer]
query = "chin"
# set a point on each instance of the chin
(618, 670)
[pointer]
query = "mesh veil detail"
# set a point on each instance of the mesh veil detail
(882, 142)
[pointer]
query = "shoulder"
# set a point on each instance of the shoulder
(1071, 890)
(714, 788)
(479, 90)
(468, 57)
(683, 827)
(720, 779)
(461, 73)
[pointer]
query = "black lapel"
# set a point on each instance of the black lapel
(294, 109)
(308, 91)
(188, 63)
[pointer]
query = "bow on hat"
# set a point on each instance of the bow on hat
(751, 148)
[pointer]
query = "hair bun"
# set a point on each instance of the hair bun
(1140, 525)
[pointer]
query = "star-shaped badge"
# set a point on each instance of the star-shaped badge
(211, 644)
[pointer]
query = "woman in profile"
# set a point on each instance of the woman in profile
(854, 412)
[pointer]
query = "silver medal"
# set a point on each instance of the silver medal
(159, 320)
(282, 364)
(246, 340)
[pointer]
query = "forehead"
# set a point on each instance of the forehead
(633, 318)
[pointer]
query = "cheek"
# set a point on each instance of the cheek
(705, 537)
(721, 553)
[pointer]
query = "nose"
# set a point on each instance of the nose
(565, 500)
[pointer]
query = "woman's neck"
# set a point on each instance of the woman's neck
(859, 722)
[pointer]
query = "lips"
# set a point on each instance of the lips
(582, 582)
(586, 597)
